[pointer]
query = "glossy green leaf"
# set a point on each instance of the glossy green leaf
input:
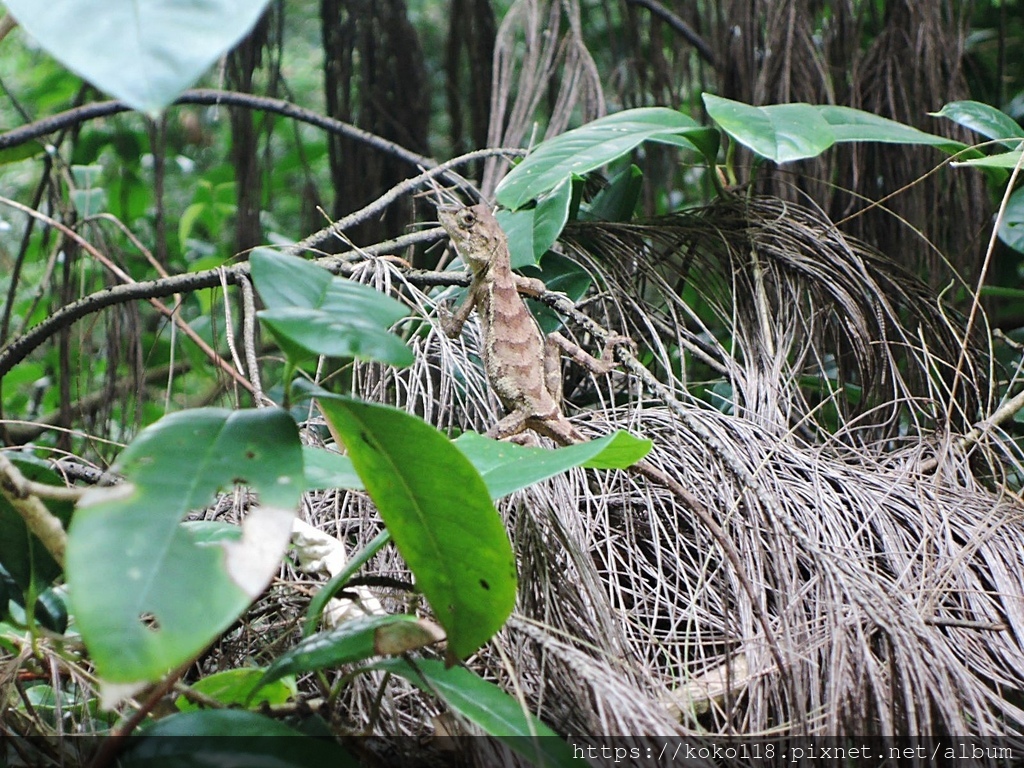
(1011, 228)
(781, 132)
(228, 737)
(550, 218)
(329, 469)
(150, 593)
(144, 53)
(237, 687)
(354, 640)
(587, 148)
(312, 312)
(507, 467)
(488, 707)
(518, 228)
(25, 559)
(440, 516)
(619, 199)
(857, 125)
(984, 119)
(532, 231)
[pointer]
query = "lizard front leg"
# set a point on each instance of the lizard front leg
(600, 366)
(452, 324)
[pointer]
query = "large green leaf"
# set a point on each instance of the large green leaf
(781, 132)
(148, 592)
(532, 231)
(591, 146)
(312, 312)
(354, 640)
(489, 708)
(439, 513)
(228, 737)
(507, 467)
(144, 52)
(984, 119)
(857, 125)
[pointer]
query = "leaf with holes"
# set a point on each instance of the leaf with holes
(148, 592)
(439, 513)
(142, 52)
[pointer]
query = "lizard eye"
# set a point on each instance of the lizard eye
(467, 218)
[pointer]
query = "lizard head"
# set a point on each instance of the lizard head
(474, 232)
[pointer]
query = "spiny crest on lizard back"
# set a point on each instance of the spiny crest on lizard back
(474, 232)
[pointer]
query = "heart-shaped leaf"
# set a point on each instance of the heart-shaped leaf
(144, 52)
(148, 592)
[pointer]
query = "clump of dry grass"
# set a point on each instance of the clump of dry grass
(888, 579)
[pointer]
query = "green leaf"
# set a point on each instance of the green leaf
(549, 220)
(312, 312)
(30, 566)
(148, 593)
(488, 707)
(1011, 228)
(144, 53)
(210, 745)
(329, 469)
(589, 147)
(354, 640)
(984, 119)
(507, 467)
(518, 228)
(531, 232)
(234, 687)
(618, 200)
(439, 513)
(857, 125)
(781, 133)
(1002, 160)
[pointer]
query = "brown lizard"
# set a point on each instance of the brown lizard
(521, 364)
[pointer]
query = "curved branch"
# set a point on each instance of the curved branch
(213, 97)
(680, 26)
(24, 345)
